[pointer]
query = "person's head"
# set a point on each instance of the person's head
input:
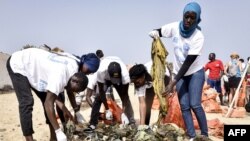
(241, 60)
(191, 19)
(211, 56)
(89, 63)
(234, 55)
(139, 75)
(191, 15)
(115, 72)
(78, 82)
(248, 59)
(99, 53)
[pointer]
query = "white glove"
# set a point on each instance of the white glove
(79, 98)
(109, 115)
(124, 119)
(60, 136)
(154, 34)
(79, 117)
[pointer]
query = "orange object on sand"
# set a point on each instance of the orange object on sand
(116, 111)
(242, 95)
(174, 112)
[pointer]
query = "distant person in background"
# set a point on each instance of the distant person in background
(233, 71)
(216, 70)
(225, 89)
(243, 65)
(188, 42)
(48, 74)
(144, 90)
(99, 53)
(248, 82)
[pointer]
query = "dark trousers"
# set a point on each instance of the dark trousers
(126, 104)
(149, 101)
(25, 99)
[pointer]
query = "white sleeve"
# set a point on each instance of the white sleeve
(167, 30)
(92, 81)
(140, 92)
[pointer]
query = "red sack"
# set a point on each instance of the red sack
(116, 111)
(174, 112)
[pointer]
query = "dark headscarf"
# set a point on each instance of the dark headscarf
(194, 7)
(91, 61)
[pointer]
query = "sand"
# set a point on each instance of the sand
(10, 129)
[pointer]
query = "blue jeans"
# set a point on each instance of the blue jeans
(189, 90)
(215, 84)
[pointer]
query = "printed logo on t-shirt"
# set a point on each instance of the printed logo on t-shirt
(42, 85)
(55, 58)
(175, 40)
(181, 53)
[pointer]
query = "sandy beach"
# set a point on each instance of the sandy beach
(10, 129)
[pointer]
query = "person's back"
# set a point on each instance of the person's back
(41, 67)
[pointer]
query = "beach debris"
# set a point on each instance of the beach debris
(118, 132)
(158, 56)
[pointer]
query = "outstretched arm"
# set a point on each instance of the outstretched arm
(88, 97)
(49, 108)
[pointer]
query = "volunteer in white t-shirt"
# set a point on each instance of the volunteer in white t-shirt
(188, 40)
(49, 74)
(144, 89)
(114, 72)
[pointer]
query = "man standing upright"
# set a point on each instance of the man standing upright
(216, 70)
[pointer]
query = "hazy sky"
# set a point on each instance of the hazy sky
(120, 27)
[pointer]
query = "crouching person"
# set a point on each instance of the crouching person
(144, 90)
(48, 74)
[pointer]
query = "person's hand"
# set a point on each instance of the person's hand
(60, 136)
(67, 114)
(79, 118)
(154, 34)
(109, 115)
(169, 89)
(124, 119)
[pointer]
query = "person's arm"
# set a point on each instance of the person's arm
(72, 100)
(222, 69)
(88, 97)
(184, 68)
(103, 95)
(142, 109)
(66, 112)
(49, 108)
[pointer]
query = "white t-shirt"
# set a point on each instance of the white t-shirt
(141, 91)
(102, 72)
(184, 47)
(45, 71)
(93, 82)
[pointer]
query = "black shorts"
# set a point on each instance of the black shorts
(234, 81)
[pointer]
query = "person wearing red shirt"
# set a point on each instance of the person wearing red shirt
(216, 70)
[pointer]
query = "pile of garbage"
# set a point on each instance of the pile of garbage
(118, 132)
